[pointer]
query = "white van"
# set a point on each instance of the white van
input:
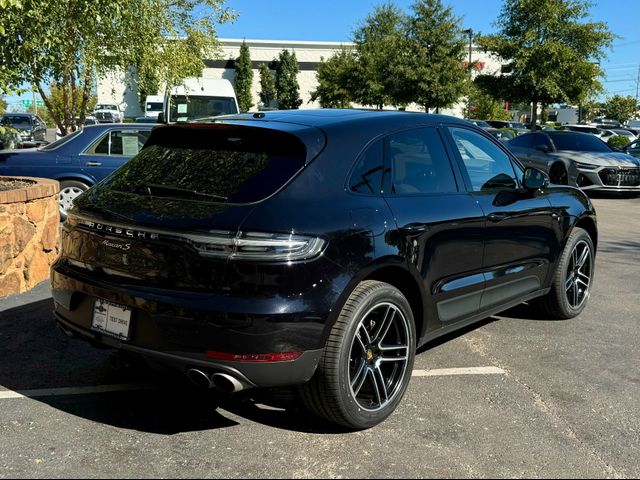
(199, 98)
(153, 105)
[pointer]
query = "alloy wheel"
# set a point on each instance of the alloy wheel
(67, 196)
(379, 357)
(579, 274)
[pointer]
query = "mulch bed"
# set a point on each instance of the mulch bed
(13, 183)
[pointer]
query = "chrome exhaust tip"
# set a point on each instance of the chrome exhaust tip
(226, 383)
(199, 378)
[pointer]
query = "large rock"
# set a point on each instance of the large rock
(6, 253)
(36, 268)
(10, 284)
(23, 232)
(36, 211)
(50, 233)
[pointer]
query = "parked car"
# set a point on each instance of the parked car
(480, 123)
(517, 127)
(316, 248)
(108, 113)
(578, 159)
(502, 135)
(623, 132)
(31, 127)
(79, 160)
(146, 120)
(633, 149)
(582, 129)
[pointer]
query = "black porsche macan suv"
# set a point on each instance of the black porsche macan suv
(316, 248)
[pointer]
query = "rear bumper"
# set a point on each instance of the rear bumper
(177, 329)
(274, 374)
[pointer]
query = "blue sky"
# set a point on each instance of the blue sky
(335, 20)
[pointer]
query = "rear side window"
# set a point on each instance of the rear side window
(216, 164)
(419, 163)
(367, 176)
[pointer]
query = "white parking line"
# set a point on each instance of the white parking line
(443, 372)
(58, 392)
(130, 387)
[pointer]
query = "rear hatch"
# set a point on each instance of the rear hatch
(171, 217)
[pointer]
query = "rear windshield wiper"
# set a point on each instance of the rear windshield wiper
(173, 192)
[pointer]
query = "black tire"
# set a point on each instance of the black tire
(378, 371)
(69, 189)
(567, 298)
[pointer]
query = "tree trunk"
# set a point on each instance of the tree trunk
(86, 92)
(49, 106)
(534, 116)
(74, 107)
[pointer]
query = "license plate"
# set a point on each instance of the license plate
(111, 319)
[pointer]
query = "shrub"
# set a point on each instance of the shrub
(618, 141)
(511, 131)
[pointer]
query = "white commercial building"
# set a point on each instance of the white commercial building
(122, 88)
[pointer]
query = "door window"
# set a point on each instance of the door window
(419, 163)
(488, 166)
(120, 142)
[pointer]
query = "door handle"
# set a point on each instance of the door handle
(414, 228)
(93, 164)
(498, 217)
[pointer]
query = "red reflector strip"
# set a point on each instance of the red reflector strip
(254, 357)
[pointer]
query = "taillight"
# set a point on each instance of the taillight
(258, 246)
(254, 357)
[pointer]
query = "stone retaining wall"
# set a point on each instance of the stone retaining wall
(29, 221)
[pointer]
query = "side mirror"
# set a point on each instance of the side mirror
(534, 179)
(543, 148)
(161, 117)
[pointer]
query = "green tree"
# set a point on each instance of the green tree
(287, 87)
(267, 86)
(484, 107)
(620, 108)
(3, 105)
(380, 46)
(244, 79)
(553, 49)
(336, 78)
(55, 108)
(434, 75)
(74, 42)
(618, 141)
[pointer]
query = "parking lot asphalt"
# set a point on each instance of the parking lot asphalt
(550, 399)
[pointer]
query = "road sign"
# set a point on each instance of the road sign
(29, 103)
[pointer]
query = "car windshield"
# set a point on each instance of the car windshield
(237, 165)
(579, 142)
(60, 142)
(154, 106)
(106, 106)
(518, 125)
(193, 107)
(16, 120)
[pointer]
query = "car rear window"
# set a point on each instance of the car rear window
(217, 163)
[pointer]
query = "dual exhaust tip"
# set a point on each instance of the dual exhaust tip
(222, 381)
